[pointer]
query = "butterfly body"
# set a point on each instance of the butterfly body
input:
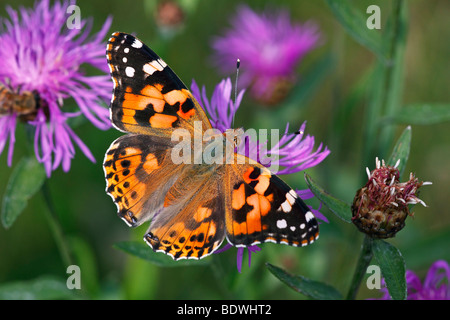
(174, 169)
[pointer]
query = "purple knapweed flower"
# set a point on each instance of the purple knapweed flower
(294, 150)
(436, 285)
(269, 47)
(40, 54)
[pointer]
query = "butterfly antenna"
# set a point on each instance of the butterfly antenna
(238, 64)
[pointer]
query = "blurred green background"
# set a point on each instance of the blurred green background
(334, 108)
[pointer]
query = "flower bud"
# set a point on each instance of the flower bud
(380, 208)
(169, 16)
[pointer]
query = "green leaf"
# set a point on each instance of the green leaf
(338, 207)
(421, 114)
(86, 259)
(392, 267)
(355, 23)
(43, 288)
(143, 251)
(26, 179)
(310, 288)
(401, 150)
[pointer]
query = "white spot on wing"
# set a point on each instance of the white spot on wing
(286, 207)
(290, 198)
(155, 65)
(309, 216)
(136, 44)
(129, 71)
(281, 224)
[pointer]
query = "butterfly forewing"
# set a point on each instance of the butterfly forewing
(148, 97)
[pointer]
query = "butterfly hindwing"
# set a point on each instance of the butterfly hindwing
(262, 208)
(139, 171)
(148, 97)
(191, 224)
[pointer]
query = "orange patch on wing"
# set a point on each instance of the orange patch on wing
(212, 230)
(263, 184)
(264, 205)
(253, 200)
(129, 112)
(129, 120)
(174, 96)
(131, 151)
(138, 102)
(239, 228)
(253, 226)
(186, 115)
(246, 175)
(151, 163)
(134, 161)
(158, 86)
(162, 120)
(172, 234)
(148, 95)
(152, 91)
(202, 229)
(158, 105)
(238, 198)
(134, 195)
(202, 213)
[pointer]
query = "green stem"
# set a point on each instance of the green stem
(55, 226)
(363, 262)
(386, 90)
(50, 213)
(394, 73)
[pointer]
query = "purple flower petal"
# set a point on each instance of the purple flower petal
(7, 129)
(221, 108)
(268, 44)
(40, 54)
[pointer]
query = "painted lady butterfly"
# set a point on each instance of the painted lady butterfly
(192, 207)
